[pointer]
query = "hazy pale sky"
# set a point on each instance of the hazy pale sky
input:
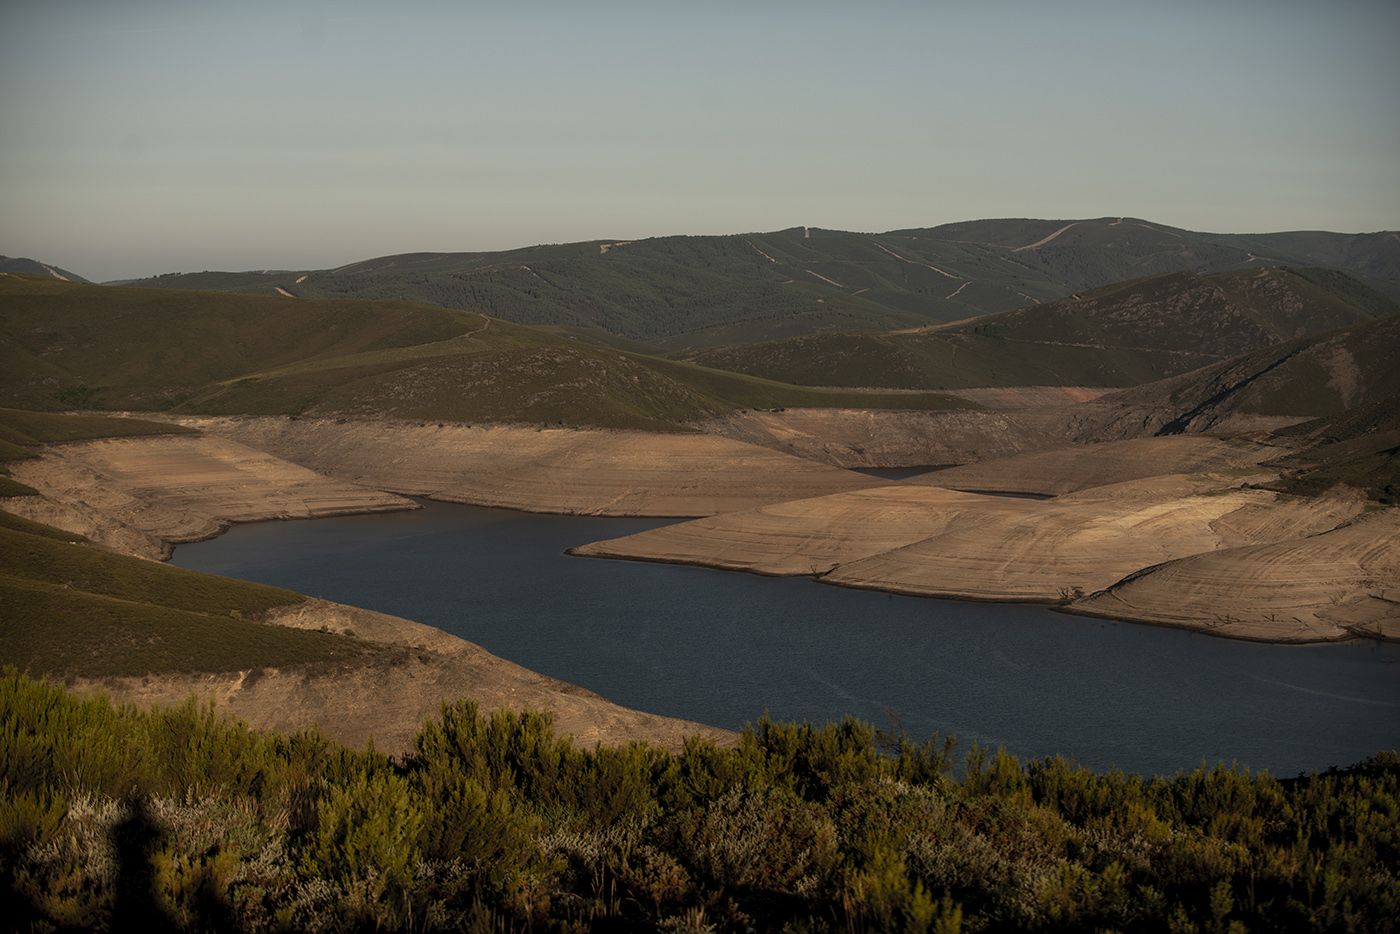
(140, 136)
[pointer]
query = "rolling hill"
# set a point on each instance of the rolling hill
(1323, 376)
(690, 293)
(32, 267)
(65, 345)
(1333, 400)
(1118, 335)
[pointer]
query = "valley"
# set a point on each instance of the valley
(699, 468)
(1238, 489)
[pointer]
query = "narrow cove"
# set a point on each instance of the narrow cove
(725, 648)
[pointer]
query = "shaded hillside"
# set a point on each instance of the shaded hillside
(1118, 335)
(32, 267)
(1088, 253)
(64, 345)
(1360, 448)
(73, 609)
(1322, 376)
(685, 293)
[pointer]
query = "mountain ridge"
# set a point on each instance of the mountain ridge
(688, 293)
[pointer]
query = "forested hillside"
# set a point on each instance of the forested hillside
(1117, 335)
(689, 293)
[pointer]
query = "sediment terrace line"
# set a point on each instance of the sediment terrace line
(1307, 588)
(139, 495)
(1071, 468)
(558, 470)
(954, 294)
(946, 543)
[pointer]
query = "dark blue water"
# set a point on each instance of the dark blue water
(723, 648)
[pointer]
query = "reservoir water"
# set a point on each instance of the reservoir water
(724, 648)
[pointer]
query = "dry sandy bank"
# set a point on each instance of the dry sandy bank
(804, 536)
(139, 495)
(390, 698)
(1055, 550)
(892, 438)
(1067, 469)
(1335, 585)
(571, 471)
(923, 540)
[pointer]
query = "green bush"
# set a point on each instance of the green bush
(123, 818)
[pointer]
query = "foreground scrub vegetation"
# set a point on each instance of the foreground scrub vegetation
(119, 817)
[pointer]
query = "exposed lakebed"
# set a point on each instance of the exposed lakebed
(724, 648)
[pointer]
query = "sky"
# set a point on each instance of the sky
(142, 136)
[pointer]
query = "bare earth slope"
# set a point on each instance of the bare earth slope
(1078, 467)
(388, 701)
(919, 539)
(804, 536)
(1335, 585)
(1051, 551)
(587, 472)
(138, 495)
(850, 437)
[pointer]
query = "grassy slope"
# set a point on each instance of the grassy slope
(30, 267)
(1118, 335)
(147, 348)
(226, 353)
(692, 293)
(70, 608)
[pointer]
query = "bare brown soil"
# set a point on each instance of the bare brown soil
(886, 438)
(1056, 550)
(804, 536)
(1079, 467)
(570, 471)
(139, 495)
(1126, 540)
(1336, 585)
(388, 700)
